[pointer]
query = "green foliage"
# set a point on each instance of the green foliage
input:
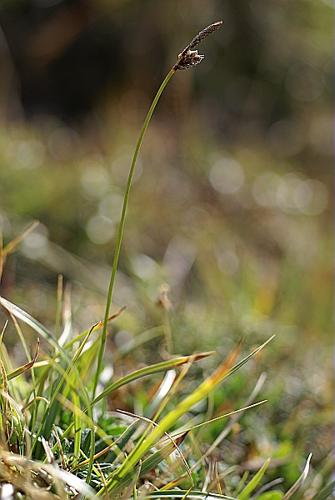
(50, 436)
(47, 417)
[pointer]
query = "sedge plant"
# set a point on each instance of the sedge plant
(54, 441)
(188, 58)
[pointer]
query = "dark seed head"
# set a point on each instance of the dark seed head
(191, 58)
(188, 57)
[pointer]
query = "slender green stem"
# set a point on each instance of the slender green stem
(121, 226)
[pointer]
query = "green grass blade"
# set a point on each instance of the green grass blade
(300, 480)
(252, 485)
(30, 321)
(77, 426)
(121, 226)
(149, 370)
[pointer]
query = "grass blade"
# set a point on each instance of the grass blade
(188, 494)
(150, 370)
(120, 230)
(11, 246)
(24, 368)
(300, 480)
(30, 321)
(252, 485)
(77, 426)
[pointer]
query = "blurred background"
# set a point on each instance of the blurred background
(231, 209)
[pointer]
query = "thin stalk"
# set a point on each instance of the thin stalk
(119, 237)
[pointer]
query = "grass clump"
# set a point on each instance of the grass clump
(59, 440)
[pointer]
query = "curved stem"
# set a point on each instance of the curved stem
(121, 226)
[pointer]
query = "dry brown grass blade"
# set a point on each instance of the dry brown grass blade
(111, 317)
(95, 327)
(12, 245)
(26, 366)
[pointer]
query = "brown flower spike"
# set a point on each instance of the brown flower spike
(188, 57)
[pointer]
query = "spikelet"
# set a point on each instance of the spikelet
(188, 57)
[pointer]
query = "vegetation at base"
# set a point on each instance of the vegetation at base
(59, 440)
